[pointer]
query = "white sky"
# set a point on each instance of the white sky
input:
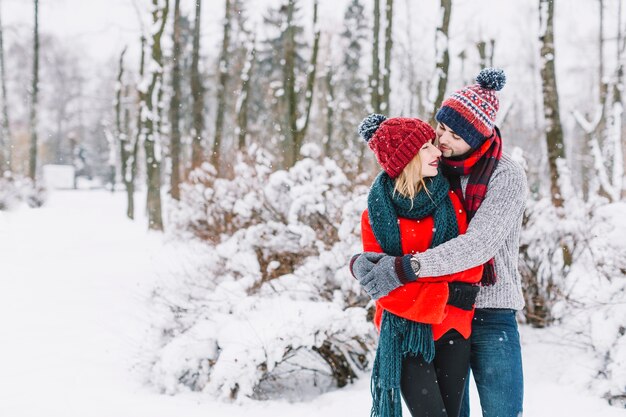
(101, 28)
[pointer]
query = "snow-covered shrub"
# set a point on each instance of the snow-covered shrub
(276, 312)
(596, 299)
(547, 246)
(211, 207)
(15, 189)
(585, 290)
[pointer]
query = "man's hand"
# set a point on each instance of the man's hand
(379, 274)
(462, 295)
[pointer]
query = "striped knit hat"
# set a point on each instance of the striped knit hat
(395, 141)
(471, 111)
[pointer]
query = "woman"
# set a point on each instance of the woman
(423, 350)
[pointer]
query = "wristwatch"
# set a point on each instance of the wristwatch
(415, 265)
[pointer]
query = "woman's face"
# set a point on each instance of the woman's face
(429, 155)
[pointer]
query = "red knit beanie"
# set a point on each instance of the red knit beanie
(395, 141)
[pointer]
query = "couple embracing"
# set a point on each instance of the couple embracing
(440, 248)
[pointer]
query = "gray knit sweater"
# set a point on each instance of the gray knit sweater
(493, 231)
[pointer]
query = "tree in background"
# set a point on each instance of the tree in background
(486, 54)
(130, 171)
(122, 138)
(128, 145)
(197, 94)
(285, 69)
(553, 128)
(5, 131)
(268, 96)
(380, 87)
(603, 157)
(295, 125)
(350, 89)
(375, 76)
(442, 55)
(412, 74)
(223, 71)
(149, 115)
(32, 166)
(62, 102)
(243, 99)
(384, 104)
(175, 104)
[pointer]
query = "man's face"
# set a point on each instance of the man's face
(450, 144)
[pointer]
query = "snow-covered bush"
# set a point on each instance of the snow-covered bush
(276, 313)
(547, 246)
(574, 274)
(15, 189)
(595, 307)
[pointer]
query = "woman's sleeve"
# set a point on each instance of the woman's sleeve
(370, 244)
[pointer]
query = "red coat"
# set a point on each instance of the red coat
(425, 299)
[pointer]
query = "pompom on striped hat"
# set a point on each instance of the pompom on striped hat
(395, 141)
(471, 111)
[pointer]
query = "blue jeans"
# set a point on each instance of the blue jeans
(496, 363)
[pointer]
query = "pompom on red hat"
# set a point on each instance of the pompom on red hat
(395, 141)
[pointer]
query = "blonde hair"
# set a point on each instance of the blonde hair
(410, 181)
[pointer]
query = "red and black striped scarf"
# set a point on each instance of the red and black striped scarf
(479, 165)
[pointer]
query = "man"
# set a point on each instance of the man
(494, 193)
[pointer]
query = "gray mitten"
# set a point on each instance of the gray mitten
(379, 274)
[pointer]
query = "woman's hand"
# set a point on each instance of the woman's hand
(379, 274)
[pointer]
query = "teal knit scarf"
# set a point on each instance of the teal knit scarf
(399, 337)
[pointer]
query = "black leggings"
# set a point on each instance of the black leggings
(436, 389)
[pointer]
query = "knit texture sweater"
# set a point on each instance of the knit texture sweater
(494, 231)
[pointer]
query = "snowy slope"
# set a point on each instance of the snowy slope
(75, 281)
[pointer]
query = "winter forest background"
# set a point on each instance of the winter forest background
(226, 130)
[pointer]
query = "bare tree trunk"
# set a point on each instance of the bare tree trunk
(149, 112)
(603, 87)
(289, 83)
(384, 106)
(619, 84)
(175, 105)
(462, 56)
(375, 78)
(310, 86)
(121, 137)
(32, 168)
(594, 125)
(242, 102)
(554, 130)
(621, 45)
(197, 91)
(482, 53)
(224, 62)
(294, 135)
(5, 131)
(129, 177)
(128, 150)
(486, 58)
(330, 105)
(443, 56)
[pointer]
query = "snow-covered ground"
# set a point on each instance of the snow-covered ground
(75, 323)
